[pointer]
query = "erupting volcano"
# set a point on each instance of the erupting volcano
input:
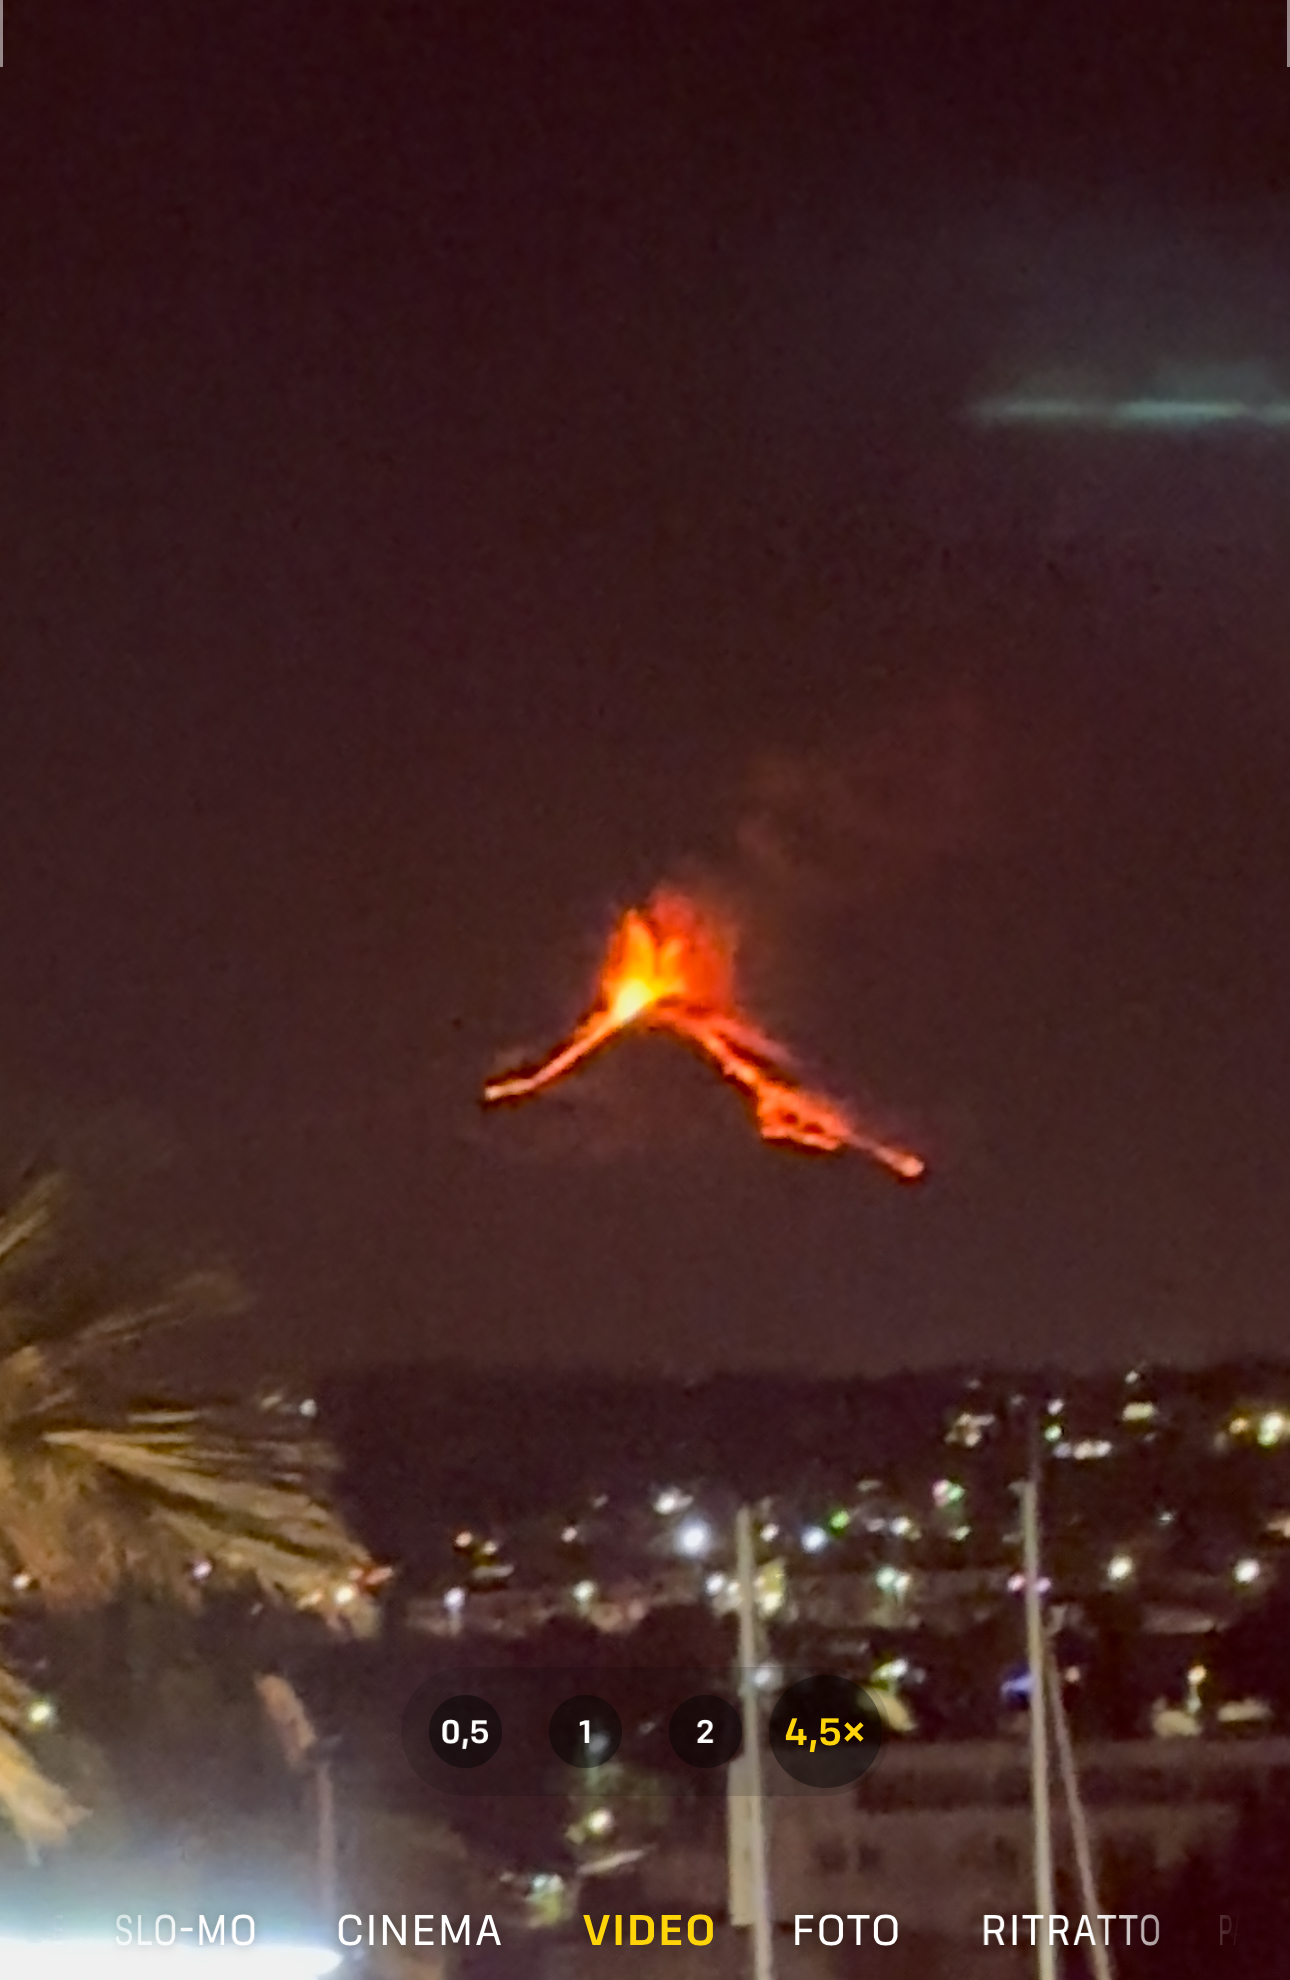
(671, 968)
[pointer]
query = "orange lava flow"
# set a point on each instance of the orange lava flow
(670, 968)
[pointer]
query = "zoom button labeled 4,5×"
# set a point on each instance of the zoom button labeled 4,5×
(465, 1731)
(825, 1731)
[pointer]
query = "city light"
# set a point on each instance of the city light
(1120, 1568)
(969, 1428)
(814, 1539)
(693, 1538)
(584, 1593)
(893, 1581)
(671, 1500)
(454, 1601)
(1246, 1571)
(947, 1492)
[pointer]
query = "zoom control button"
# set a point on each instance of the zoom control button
(585, 1731)
(465, 1731)
(825, 1731)
(706, 1731)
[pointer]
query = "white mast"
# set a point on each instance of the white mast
(749, 1873)
(1102, 1966)
(1041, 1812)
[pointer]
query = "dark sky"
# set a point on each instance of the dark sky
(463, 463)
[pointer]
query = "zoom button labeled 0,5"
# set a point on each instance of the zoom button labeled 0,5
(465, 1731)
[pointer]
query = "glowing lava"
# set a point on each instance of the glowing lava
(671, 968)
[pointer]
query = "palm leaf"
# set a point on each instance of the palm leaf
(94, 1496)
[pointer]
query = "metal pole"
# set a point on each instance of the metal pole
(752, 1825)
(1041, 1814)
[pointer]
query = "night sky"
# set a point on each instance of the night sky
(463, 464)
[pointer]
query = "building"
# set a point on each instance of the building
(939, 1835)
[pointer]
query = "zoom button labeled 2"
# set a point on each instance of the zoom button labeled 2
(465, 1731)
(706, 1731)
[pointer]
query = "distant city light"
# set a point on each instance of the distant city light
(1246, 1570)
(814, 1538)
(584, 1593)
(892, 1671)
(489, 1547)
(1017, 1583)
(1139, 1412)
(345, 1594)
(309, 1407)
(671, 1500)
(569, 1534)
(464, 1539)
(960, 1532)
(1057, 1405)
(693, 1538)
(1273, 1428)
(22, 1580)
(1084, 1449)
(969, 1428)
(839, 1521)
(1134, 1375)
(42, 1712)
(1052, 1433)
(201, 1570)
(1196, 1677)
(715, 1584)
(454, 1601)
(893, 1580)
(600, 1822)
(947, 1492)
(770, 1531)
(1120, 1568)
(903, 1527)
